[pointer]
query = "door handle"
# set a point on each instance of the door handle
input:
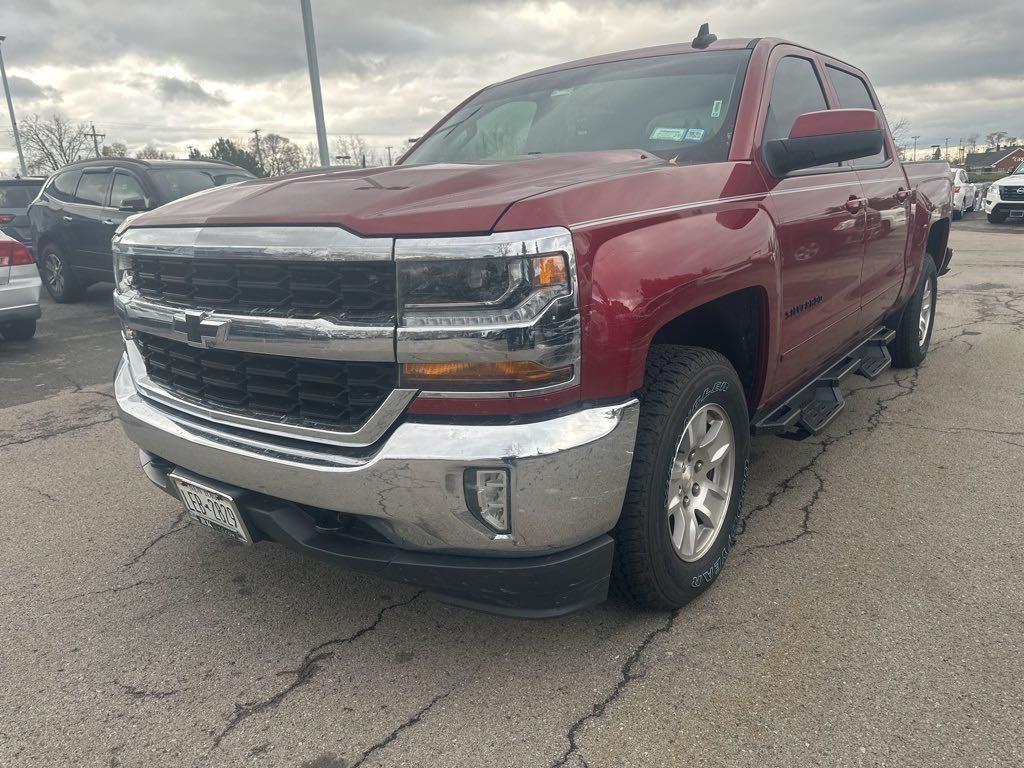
(902, 194)
(854, 204)
(109, 221)
(67, 218)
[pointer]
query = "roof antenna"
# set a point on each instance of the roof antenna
(704, 37)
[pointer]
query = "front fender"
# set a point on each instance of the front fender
(643, 274)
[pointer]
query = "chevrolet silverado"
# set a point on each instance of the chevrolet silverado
(524, 364)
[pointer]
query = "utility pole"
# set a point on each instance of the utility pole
(388, 148)
(314, 82)
(10, 108)
(259, 152)
(947, 149)
(95, 138)
(915, 138)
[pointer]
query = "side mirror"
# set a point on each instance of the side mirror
(820, 138)
(134, 205)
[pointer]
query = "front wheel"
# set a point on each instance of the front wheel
(996, 218)
(686, 486)
(910, 347)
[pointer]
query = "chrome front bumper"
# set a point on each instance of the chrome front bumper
(568, 473)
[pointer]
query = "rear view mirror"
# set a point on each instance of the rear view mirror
(821, 138)
(134, 205)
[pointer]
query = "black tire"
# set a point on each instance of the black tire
(18, 330)
(908, 349)
(646, 568)
(997, 218)
(61, 282)
(957, 215)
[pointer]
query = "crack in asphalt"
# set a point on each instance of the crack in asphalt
(58, 432)
(628, 673)
(387, 740)
(905, 386)
(116, 589)
(137, 693)
(176, 526)
(305, 672)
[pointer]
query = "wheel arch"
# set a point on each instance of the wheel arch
(736, 325)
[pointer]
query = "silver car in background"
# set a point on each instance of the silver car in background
(19, 290)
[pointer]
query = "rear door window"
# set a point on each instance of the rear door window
(854, 94)
(92, 189)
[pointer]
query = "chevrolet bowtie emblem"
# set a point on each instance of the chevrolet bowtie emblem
(200, 330)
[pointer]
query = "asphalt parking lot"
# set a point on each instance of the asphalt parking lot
(871, 614)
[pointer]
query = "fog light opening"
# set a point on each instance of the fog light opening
(488, 496)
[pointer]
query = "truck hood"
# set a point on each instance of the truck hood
(1013, 180)
(400, 200)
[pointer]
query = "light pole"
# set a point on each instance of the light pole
(10, 108)
(915, 138)
(314, 82)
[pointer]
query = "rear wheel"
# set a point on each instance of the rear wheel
(910, 347)
(60, 280)
(686, 485)
(18, 330)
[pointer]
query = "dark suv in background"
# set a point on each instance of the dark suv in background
(15, 196)
(81, 205)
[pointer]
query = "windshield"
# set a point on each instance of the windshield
(173, 183)
(18, 194)
(681, 107)
(1020, 169)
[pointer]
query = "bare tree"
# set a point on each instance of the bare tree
(310, 154)
(357, 150)
(997, 140)
(152, 152)
(51, 143)
(114, 149)
(280, 155)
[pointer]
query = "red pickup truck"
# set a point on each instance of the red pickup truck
(526, 362)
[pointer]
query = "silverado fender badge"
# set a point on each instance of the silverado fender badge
(199, 330)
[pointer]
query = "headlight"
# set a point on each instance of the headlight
(496, 314)
(489, 291)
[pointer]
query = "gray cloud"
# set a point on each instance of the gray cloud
(176, 89)
(25, 90)
(392, 67)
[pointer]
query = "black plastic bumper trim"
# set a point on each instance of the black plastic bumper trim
(543, 586)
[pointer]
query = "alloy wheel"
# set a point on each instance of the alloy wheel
(53, 272)
(925, 320)
(700, 482)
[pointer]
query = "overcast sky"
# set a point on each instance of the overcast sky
(180, 72)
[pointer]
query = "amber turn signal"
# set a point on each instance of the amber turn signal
(508, 374)
(550, 270)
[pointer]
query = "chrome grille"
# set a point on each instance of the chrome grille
(328, 394)
(360, 291)
(1012, 193)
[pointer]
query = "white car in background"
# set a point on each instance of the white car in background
(19, 290)
(965, 193)
(1005, 198)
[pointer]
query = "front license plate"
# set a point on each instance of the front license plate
(212, 508)
(1017, 214)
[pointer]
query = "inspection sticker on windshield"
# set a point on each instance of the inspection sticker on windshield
(716, 108)
(668, 134)
(694, 134)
